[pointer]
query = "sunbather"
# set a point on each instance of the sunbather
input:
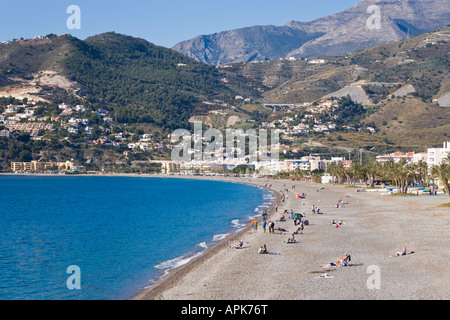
(263, 250)
(341, 262)
(291, 240)
(401, 253)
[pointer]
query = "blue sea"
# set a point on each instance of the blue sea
(121, 233)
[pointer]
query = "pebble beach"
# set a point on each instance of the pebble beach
(374, 226)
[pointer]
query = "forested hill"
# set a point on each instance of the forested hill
(138, 81)
(155, 84)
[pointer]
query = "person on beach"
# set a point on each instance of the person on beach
(264, 226)
(401, 253)
(300, 229)
(263, 250)
(341, 262)
(272, 227)
(291, 240)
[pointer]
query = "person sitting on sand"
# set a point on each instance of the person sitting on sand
(291, 240)
(263, 250)
(239, 244)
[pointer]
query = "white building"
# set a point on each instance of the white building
(436, 155)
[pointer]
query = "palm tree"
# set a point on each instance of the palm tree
(337, 171)
(442, 171)
(355, 172)
(371, 171)
(402, 173)
(422, 170)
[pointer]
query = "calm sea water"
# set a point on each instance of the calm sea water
(122, 232)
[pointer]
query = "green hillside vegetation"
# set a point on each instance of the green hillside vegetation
(144, 83)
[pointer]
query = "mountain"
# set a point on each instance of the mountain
(405, 85)
(134, 79)
(419, 64)
(338, 34)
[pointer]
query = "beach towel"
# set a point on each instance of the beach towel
(331, 266)
(324, 276)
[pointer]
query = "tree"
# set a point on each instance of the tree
(337, 171)
(422, 170)
(442, 171)
(25, 156)
(371, 171)
(402, 173)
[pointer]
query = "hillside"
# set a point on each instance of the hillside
(404, 85)
(110, 101)
(418, 65)
(136, 80)
(334, 35)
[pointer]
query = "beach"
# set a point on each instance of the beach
(374, 226)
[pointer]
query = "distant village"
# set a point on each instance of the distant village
(75, 120)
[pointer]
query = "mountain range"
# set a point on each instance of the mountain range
(367, 24)
(405, 85)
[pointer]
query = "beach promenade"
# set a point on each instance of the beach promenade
(374, 227)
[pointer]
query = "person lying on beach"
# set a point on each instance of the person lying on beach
(401, 253)
(341, 262)
(282, 229)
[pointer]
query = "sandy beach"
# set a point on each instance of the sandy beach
(375, 226)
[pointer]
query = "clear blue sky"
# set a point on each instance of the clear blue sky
(163, 22)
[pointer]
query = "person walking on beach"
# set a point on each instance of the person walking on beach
(264, 226)
(271, 227)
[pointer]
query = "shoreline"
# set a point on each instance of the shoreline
(167, 275)
(174, 274)
(376, 225)
(224, 273)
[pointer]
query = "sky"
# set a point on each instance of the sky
(164, 22)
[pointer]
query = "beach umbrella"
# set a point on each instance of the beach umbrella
(297, 216)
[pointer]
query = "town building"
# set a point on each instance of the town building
(37, 166)
(437, 155)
